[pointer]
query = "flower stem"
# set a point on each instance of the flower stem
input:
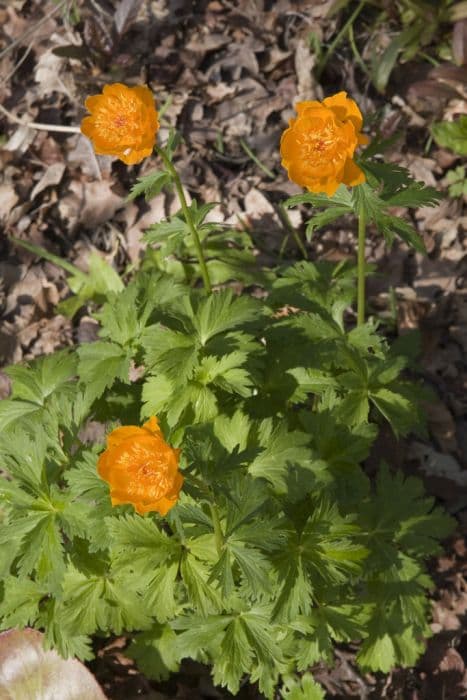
(285, 218)
(322, 63)
(188, 218)
(217, 528)
(361, 268)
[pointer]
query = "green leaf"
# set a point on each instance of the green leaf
(120, 317)
(170, 352)
(457, 179)
(100, 281)
(100, 364)
(41, 547)
(13, 410)
(232, 431)
(203, 401)
(83, 480)
(399, 410)
(452, 135)
(324, 218)
(46, 375)
(138, 544)
(25, 460)
(262, 637)
(384, 64)
(282, 450)
(150, 185)
(226, 373)
(57, 637)
(222, 311)
(389, 643)
(378, 653)
(157, 395)
(235, 657)
(199, 633)
(170, 231)
(106, 603)
(304, 689)
(155, 652)
(254, 566)
(160, 592)
(341, 198)
(375, 210)
(407, 517)
(416, 194)
(203, 595)
(383, 175)
(20, 604)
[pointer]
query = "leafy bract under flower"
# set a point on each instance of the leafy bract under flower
(123, 122)
(318, 147)
(141, 468)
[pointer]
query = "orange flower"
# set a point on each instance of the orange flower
(141, 468)
(123, 122)
(318, 147)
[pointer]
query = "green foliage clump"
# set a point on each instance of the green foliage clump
(279, 545)
(452, 135)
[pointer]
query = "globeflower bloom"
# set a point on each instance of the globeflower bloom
(141, 468)
(123, 122)
(318, 147)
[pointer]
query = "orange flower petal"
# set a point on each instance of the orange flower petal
(123, 122)
(141, 468)
(152, 425)
(304, 107)
(145, 95)
(132, 157)
(353, 175)
(118, 435)
(318, 146)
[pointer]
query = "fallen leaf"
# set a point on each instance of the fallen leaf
(434, 463)
(28, 672)
(20, 140)
(89, 203)
(125, 14)
(8, 199)
(51, 176)
(442, 425)
(305, 61)
(459, 42)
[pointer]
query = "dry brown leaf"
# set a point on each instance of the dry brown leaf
(8, 199)
(126, 13)
(51, 176)
(305, 60)
(459, 42)
(442, 425)
(89, 203)
(434, 463)
(133, 233)
(27, 670)
(20, 139)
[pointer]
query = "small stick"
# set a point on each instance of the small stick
(32, 30)
(38, 126)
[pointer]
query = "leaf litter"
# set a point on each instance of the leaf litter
(229, 72)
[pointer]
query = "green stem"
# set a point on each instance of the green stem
(219, 535)
(356, 52)
(322, 64)
(361, 268)
(188, 218)
(256, 160)
(285, 218)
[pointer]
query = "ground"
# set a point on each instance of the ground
(227, 73)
